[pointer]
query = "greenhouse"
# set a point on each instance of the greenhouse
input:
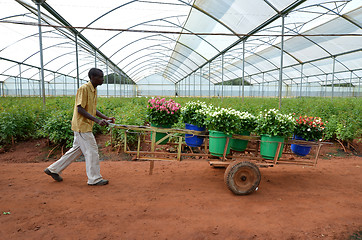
(214, 48)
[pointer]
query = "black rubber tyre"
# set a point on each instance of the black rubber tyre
(242, 178)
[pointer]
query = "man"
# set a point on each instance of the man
(84, 116)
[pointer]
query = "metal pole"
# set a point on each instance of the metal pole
(55, 93)
(281, 65)
(200, 83)
(21, 85)
(334, 65)
(95, 58)
(262, 90)
(209, 81)
(107, 77)
(194, 84)
(325, 86)
(76, 59)
(301, 80)
(38, 3)
(65, 86)
(222, 76)
(350, 85)
(120, 86)
(242, 80)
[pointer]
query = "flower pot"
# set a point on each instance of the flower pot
(238, 144)
(160, 135)
(217, 142)
(193, 140)
(300, 150)
(269, 146)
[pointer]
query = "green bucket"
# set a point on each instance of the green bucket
(217, 142)
(269, 146)
(238, 144)
(160, 135)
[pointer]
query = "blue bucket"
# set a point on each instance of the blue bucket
(300, 150)
(193, 140)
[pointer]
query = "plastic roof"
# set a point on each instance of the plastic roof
(175, 38)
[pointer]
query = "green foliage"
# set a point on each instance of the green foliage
(191, 115)
(24, 118)
(272, 122)
(57, 128)
(226, 120)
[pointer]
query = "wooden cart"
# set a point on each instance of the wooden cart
(242, 175)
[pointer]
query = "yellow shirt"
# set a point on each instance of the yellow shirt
(87, 98)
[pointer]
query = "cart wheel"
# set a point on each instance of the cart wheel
(242, 178)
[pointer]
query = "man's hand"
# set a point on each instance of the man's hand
(112, 119)
(102, 122)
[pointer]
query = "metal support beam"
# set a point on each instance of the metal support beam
(38, 3)
(281, 65)
(242, 80)
(334, 66)
(76, 59)
(222, 76)
(301, 80)
(21, 85)
(209, 81)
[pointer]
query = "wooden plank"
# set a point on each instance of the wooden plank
(152, 164)
(219, 163)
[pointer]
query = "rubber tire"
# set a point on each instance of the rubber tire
(242, 177)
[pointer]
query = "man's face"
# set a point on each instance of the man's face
(99, 79)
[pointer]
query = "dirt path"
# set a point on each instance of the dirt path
(181, 200)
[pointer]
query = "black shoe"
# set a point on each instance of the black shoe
(100, 183)
(55, 176)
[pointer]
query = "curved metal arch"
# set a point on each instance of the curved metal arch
(260, 56)
(131, 73)
(160, 45)
(153, 62)
(185, 3)
(252, 64)
(139, 24)
(176, 71)
(164, 36)
(144, 67)
(32, 55)
(192, 50)
(172, 79)
(159, 73)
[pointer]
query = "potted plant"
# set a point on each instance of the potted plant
(308, 129)
(221, 123)
(273, 127)
(162, 113)
(194, 119)
(245, 125)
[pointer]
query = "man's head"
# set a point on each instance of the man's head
(96, 76)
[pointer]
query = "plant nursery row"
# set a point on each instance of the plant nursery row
(314, 118)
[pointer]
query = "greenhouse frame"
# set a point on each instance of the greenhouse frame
(196, 48)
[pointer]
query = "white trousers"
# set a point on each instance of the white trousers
(83, 143)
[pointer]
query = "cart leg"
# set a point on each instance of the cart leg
(125, 141)
(225, 149)
(179, 148)
(317, 154)
(277, 152)
(152, 164)
(138, 145)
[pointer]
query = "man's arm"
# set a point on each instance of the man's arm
(101, 115)
(86, 114)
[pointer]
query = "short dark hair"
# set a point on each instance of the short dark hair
(95, 72)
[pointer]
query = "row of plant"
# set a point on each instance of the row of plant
(25, 118)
